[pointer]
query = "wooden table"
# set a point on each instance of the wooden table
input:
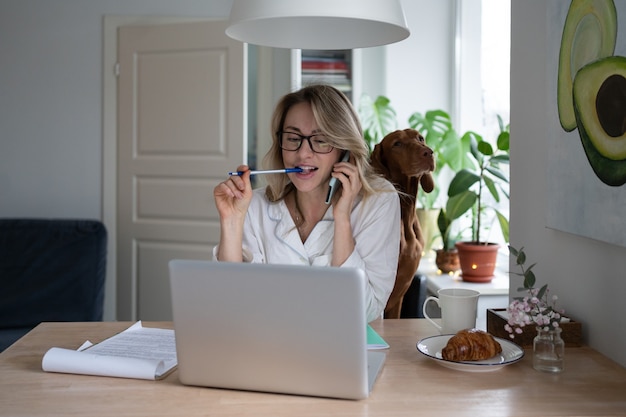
(410, 385)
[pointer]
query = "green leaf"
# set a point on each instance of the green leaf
(460, 203)
(467, 160)
(432, 125)
(503, 140)
(475, 139)
(500, 159)
(462, 181)
(442, 221)
(501, 123)
(504, 225)
(529, 279)
(497, 173)
(492, 188)
(378, 118)
(450, 151)
(485, 148)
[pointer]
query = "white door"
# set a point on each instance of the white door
(181, 128)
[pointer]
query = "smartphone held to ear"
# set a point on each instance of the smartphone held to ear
(334, 182)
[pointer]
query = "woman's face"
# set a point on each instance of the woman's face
(317, 166)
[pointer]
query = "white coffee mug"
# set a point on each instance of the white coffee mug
(458, 309)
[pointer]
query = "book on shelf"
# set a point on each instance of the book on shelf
(324, 66)
(336, 78)
(137, 352)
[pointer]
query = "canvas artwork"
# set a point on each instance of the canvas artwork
(587, 122)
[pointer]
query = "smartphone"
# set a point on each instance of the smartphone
(334, 182)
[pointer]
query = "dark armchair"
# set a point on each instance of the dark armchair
(50, 270)
(414, 298)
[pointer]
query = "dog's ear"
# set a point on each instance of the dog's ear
(412, 185)
(427, 182)
(377, 160)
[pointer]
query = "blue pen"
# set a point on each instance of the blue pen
(268, 171)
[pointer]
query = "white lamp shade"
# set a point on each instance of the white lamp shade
(318, 24)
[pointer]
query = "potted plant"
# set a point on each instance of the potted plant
(447, 259)
(478, 256)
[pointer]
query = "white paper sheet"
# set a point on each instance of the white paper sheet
(137, 352)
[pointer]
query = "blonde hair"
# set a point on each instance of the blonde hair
(339, 122)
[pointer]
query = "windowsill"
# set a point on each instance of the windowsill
(436, 280)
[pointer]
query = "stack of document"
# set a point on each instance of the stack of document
(137, 352)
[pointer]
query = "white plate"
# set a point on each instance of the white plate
(432, 346)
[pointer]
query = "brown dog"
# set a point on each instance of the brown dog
(403, 158)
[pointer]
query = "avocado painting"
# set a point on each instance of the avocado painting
(592, 87)
(587, 64)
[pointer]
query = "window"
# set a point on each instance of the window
(482, 82)
(495, 62)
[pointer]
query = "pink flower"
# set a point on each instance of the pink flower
(536, 308)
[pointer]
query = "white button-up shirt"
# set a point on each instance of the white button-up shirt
(270, 236)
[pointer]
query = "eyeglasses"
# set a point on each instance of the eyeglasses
(291, 141)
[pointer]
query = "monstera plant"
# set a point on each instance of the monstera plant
(378, 118)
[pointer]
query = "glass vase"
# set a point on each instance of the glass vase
(548, 350)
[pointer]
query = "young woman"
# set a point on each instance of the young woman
(289, 222)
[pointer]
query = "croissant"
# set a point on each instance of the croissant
(471, 345)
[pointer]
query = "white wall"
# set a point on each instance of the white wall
(51, 100)
(588, 276)
(419, 69)
(51, 131)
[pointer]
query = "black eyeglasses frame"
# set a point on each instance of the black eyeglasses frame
(279, 136)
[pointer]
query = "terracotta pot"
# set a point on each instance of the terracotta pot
(448, 260)
(478, 260)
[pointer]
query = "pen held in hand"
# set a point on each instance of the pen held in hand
(267, 171)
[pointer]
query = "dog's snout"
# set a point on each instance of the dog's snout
(427, 153)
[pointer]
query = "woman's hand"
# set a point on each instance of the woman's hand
(232, 199)
(347, 173)
(343, 241)
(233, 196)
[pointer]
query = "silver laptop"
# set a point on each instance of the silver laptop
(273, 328)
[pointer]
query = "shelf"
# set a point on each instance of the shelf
(334, 67)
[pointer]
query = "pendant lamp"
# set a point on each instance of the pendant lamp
(318, 24)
